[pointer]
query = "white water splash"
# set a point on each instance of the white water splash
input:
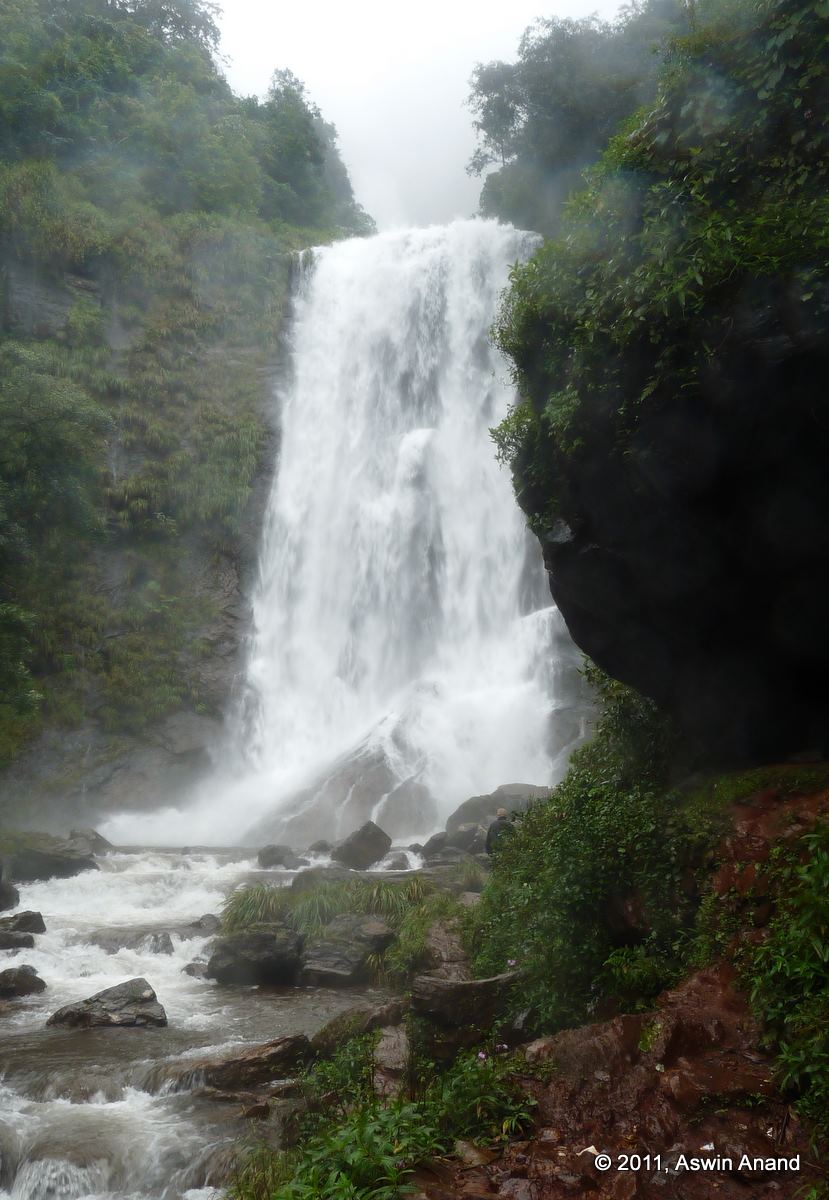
(404, 654)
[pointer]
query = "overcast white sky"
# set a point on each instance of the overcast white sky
(394, 79)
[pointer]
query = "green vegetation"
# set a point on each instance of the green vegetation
(789, 979)
(147, 220)
(543, 118)
(701, 216)
(357, 1147)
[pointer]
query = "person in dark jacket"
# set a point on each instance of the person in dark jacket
(496, 829)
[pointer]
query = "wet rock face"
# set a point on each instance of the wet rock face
(130, 1003)
(339, 957)
(40, 856)
(363, 848)
(12, 940)
(20, 981)
(482, 810)
(459, 1003)
(268, 955)
(693, 561)
(9, 895)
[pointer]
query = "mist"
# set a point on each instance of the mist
(396, 95)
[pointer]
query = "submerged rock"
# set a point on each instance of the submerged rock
(206, 924)
(361, 849)
(20, 981)
(9, 895)
(113, 940)
(280, 856)
(339, 956)
(130, 1003)
(23, 922)
(196, 970)
(396, 862)
(269, 954)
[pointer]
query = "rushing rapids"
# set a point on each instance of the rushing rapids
(404, 652)
(92, 1112)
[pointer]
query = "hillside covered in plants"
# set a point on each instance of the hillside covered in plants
(147, 220)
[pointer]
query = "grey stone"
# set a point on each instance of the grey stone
(281, 856)
(113, 940)
(130, 1003)
(197, 970)
(320, 847)
(20, 981)
(364, 847)
(339, 956)
(460, 1003)
(96, 842)
(39, 856)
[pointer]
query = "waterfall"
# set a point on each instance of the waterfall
(404, 653)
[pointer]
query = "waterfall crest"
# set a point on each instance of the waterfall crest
(404, 653)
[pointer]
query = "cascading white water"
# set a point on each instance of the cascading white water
(402, 654)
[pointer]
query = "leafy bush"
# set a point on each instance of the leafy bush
(612, 834)
(789, 975)
(355, 1147)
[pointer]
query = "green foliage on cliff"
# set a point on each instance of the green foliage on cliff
(704, 225)
(588, 897)
(543, 118)
(147, 219)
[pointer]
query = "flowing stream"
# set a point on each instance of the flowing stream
(404, 652)
(91, 1112)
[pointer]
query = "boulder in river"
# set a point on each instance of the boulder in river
(37, 856)
(253, 1067)
(339, 956)
(281, 856)
(130, 1003)
(20, 981)
(10, 939)
(196, 970)
(9, 895)
(364, 847)
(23, 922)
(397, 862)
(320, 847)
(269, 954)
(206, 924)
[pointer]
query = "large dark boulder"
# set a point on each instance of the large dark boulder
(361, 849)
(10, 939)
(23, 922)
(281, 856)
(37, 856)
(245, 1070)
(130, 1003)
(20, 981)
(269, 954)
(9, 895)
(339, 956)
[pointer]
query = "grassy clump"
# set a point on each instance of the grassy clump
(410, 907)
(353, 1146)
